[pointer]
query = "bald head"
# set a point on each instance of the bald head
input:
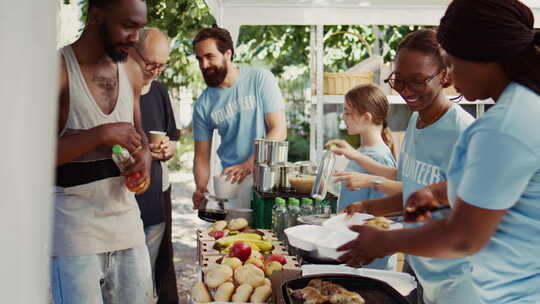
(155, 47)
(153, 39)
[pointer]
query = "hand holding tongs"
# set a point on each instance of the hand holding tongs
(418, 212)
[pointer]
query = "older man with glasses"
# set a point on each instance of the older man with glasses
(152, 54)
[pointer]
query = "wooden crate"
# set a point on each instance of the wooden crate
(292, 262)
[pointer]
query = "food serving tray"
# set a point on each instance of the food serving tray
(372, 290)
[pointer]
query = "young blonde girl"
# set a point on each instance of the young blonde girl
(365, 113)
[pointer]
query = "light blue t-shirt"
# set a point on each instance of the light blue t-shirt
(379, 153)
(237, 113)
(383, 155)
(496, 165)
(424, 159)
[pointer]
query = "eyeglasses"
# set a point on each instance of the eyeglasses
(151, 66)
(418, 86)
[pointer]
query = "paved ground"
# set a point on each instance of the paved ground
(184, 223)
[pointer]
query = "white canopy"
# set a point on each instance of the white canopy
(231, 14)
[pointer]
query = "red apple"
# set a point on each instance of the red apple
(217, 234)
(276, 257)
(240, 250)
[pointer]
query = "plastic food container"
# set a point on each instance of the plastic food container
(327, 246)
(305, 236)
(342, 221)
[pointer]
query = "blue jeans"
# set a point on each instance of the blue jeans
(154, 235)
(107, 278)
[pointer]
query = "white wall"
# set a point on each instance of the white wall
(27, 123)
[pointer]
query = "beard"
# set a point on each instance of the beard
(110, 47)
(217, 76)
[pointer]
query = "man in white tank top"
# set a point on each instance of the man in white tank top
(98, 252)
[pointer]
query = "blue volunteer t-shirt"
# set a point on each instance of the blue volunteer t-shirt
(379, 153)
(237, 113)
(423, 161)
(383, 155)
(496, 165)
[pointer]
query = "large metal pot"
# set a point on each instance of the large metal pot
(268, 178)
(256, 176)
(285, 170)
(269, 151)
(282, 152)
(272, 152)
(261, 151)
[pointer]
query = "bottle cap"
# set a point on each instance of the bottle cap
(306, 200)
(117, 150)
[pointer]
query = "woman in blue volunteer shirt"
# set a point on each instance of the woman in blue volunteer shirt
(421, 74)
(365, 112)
(494, 175)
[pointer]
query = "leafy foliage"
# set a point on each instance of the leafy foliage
(276, 47)
(180, 20)
(284, 49)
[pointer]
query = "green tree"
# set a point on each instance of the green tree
(280, 48)
(181, 20)
(276, 47)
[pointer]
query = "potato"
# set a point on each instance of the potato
(249, 274)
(255, 262)
(219, 225)
(233, 262)
(224, 292)
(200, 293)
(217, 275)
(237, 224)
(261, 294)
(257, 255)
(242, 293)
(271, 266)
(256, 269)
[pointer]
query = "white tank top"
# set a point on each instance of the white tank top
(94, 212)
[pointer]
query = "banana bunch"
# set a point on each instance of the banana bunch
(239, 237)
(254, 240)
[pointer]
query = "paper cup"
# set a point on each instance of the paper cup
(156, 137)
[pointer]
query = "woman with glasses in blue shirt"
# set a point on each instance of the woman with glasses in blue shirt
(421, 73)
(493, 181)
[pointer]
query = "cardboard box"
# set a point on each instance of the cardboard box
(278, 278)
(292, 262)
